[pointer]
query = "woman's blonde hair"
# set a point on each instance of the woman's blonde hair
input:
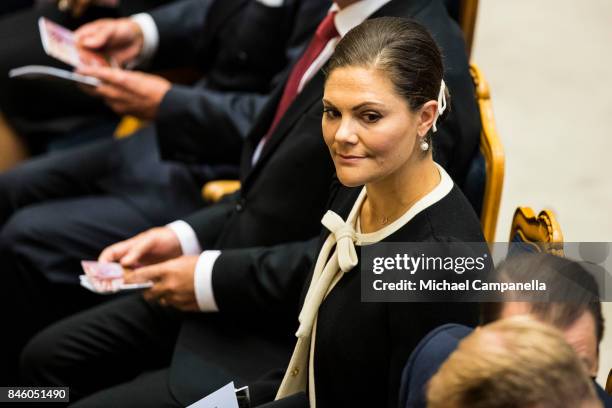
(515, 362)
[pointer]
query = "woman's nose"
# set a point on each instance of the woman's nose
(346, 132)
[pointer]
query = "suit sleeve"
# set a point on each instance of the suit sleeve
(208, 222)
(221, 120)
(264, 283)
(267, 281)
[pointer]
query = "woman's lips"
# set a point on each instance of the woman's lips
(349, 158)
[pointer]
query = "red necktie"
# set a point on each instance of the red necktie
(325, 32)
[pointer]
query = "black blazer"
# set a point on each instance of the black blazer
(361, 348)
(282, 199)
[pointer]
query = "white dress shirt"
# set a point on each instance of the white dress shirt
(345, 20)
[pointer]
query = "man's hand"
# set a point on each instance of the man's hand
(120, 39)
(173, 282)
(127, 92)
(150, 247)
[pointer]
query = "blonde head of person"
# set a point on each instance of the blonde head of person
(516, 362)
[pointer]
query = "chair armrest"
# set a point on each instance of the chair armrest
(127, 126)
(213, 191)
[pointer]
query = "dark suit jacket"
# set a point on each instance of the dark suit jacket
(282, 199)
(425, 361)
(429, 355)
(241, 46)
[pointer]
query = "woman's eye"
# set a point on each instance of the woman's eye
(371, 117)
(331, 113)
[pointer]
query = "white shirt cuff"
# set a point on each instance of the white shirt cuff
(203, 281)
(271, 3)
(150, 36)
(186, 236)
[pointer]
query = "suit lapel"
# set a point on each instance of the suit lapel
(304, 100)
(312, 92)
(259, 130)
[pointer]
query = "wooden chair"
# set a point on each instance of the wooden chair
(540, 233)
(609, 383)
(485, 179)
(127, 126)
(12, 148)
(213, 191)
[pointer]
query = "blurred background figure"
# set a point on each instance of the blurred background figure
(516, 362)
(580, 320)
(35, 113)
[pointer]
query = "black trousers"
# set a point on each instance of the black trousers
(62, 208)
(116, 354)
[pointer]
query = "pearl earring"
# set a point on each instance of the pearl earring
(424, 145)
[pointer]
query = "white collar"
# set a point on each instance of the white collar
(355, 14)
(438, 193)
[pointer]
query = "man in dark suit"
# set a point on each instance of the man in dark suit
(581, 323)
(59, 209)
(285, 171)
(31, 106)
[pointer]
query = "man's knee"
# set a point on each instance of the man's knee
(26, 227)
(39, 358)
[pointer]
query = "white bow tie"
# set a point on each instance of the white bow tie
(344, 259)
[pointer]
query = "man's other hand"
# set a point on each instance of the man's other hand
(153, 246)
(128, 92)
(173, 282)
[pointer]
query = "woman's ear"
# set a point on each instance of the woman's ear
(427, 115)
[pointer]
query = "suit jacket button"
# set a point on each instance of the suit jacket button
(242, 56)
(295, 372)
(240, 205)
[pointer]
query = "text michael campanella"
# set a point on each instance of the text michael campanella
(455, 265)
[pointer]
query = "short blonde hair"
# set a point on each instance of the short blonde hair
(515, 362)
